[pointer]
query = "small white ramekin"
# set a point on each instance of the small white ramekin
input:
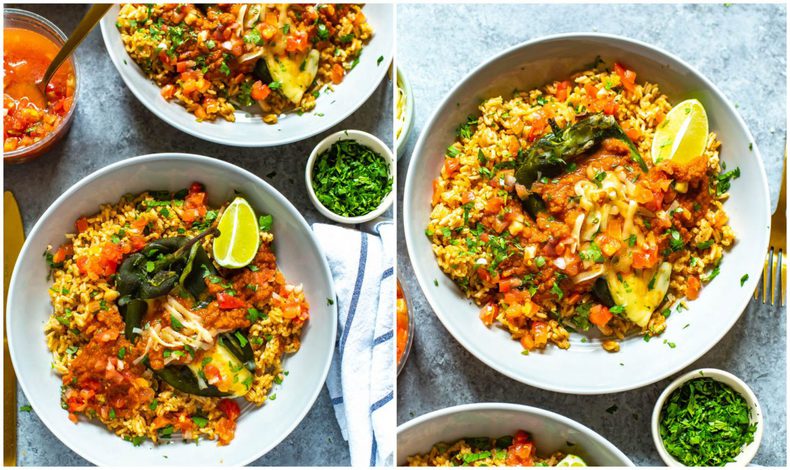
(368, 140)
(749, 451)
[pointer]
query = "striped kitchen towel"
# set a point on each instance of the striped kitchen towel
(361, 378)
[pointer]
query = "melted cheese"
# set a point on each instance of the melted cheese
(295, 71)
(631, 290)
(234, 377)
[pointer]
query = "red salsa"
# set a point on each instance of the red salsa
(27, 116)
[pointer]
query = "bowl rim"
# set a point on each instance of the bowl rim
(411, 244)
(739, 386)
(380, 147)
(185, 157)
(516, 408)
(408, 117)
(156, 109)
(67, 120)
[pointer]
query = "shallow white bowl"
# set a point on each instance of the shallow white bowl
(299, 256)
(749, 450)
(586, 368)
(368, 140)
(249, 130)
(550, 431)
(408, 113)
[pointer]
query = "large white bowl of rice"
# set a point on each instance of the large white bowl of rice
(299, 257)
(580, 365)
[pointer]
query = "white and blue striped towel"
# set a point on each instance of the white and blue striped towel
(361, 378)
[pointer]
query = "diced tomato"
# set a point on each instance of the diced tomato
(521, 452)
(608, 245)
(610, 107)
(184, 65)
(527, 341)
(488, 313)
(562, 91)
(483, 274)
(627, 77)
(600, 315)
(693, 287)
(540, 333)
(645, 257)
(81, 224)
(499, 225)
(656, 202)
(267, 31)
(592, 91)
(297, 42)
(494, 205)
(63, 252)
(137, 242)
(337, 73)
(451, 166)
(230, 408)
(213, 375)
(196, 188)
(633, 133)
(228, 302)
(505, 285)
(82, 263)
(260, 91)
(467, 197)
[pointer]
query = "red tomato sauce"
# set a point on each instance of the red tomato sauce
(27, 116)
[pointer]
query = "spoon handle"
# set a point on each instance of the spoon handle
(94, 14)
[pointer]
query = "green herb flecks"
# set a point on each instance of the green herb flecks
(350, 179)
(705, 423)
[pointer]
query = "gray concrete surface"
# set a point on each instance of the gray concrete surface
(741, 48)
(112, 125)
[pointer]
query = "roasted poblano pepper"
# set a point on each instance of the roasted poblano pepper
(154, 272)
(551, 154)
(230, 358)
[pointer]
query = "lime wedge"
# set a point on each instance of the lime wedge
(683, 135)
(571, 460)
(237, 243)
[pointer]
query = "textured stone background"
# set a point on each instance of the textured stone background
(741, 48)
(112, 125)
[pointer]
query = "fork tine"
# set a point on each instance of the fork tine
(781, 274)
(775, 277)
(767, 274)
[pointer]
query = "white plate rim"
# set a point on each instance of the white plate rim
(69, 440)
(750, 284)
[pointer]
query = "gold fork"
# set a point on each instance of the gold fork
(775, 265)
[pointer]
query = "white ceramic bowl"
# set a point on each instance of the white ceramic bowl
(299, 256)
(408, 113)
(249, 130)
(586, 368)
(368, 140)
(550, 431)
(749, 451)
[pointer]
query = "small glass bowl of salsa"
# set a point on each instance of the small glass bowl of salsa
(32, 124)
(404, 327)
